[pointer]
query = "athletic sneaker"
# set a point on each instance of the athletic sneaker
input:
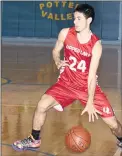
(27, 143)
(119, 143)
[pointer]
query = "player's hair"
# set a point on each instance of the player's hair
(87, 10)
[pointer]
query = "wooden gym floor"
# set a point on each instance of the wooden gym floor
(30, 71)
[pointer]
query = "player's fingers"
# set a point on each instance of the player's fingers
(98, 112)
(83, 112)
(95, 114)
(65, 64)
(92, 116)
(59, 66)
(66, 61)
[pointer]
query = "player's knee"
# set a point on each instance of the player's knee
(112, 122)
(114, 126)
(43, 104)
(41, 108)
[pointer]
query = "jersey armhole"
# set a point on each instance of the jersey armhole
(66, 35)
(95, 43)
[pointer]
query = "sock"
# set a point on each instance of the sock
(119, 138)
(35, 134)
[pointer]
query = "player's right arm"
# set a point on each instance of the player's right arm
(58, 47)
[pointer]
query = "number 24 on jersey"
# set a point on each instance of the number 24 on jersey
(81, 65)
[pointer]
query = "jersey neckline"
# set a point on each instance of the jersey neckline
(86, 42)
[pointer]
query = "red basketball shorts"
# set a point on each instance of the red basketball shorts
(65, 95)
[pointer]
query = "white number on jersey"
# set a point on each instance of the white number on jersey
(81, 65)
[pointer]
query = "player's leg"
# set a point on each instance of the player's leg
(116, 128)
(44, 104)
(57, 95)
(102, 104)
(33, 140)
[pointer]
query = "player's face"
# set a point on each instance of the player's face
(80, 21)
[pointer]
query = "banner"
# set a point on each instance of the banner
(57, 10)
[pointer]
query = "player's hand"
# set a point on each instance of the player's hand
(92, 112)
(62, 63)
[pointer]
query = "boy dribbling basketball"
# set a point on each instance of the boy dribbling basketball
(78, 80)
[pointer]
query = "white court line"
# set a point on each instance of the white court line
(31, 105)
(118, 152)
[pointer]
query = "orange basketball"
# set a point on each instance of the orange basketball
(78, 139)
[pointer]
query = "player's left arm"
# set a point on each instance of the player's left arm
(96, 55)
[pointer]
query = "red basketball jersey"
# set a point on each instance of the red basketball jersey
(79, 57)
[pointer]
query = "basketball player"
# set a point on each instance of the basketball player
(77, 79)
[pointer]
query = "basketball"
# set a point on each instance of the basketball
(77, 139)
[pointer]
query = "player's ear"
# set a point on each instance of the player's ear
(89, 20)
